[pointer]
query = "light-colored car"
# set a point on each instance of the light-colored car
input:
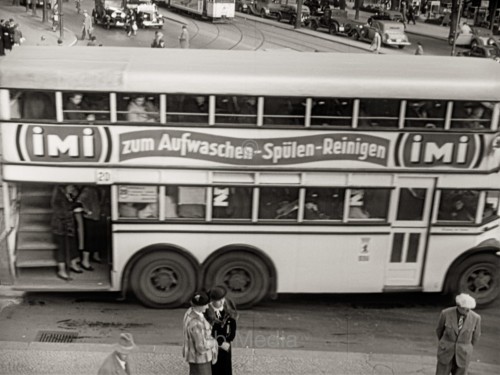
(478, 36)
(392, 33)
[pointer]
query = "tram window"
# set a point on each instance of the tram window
(137, 202)
(187, 108)
(369, 204)
(491, 204)
(278, 203)
(411, 204)
(236, 110)
(324, 204)
(138, 107)
(471, 115)
(232, 203)
(458, 205)
(428, 114)
(284, 111)
(187, 202)
(33, 105)
(331, 111)
(379, 113)
(78, 106)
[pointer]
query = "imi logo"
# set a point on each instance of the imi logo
(437, 149)
(60, 143)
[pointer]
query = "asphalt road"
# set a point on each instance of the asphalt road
(368, 323)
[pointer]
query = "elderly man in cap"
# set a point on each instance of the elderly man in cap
(458, 331)
(200, 348)
(117, 362)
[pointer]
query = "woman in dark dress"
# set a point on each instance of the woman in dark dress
(222, 315)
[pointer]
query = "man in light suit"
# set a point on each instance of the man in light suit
(458, 330)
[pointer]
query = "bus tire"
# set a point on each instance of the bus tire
(245, 276)
(163, 279)
(479, 276)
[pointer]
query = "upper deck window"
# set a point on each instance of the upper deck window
(331, 111)
(138, 107)
(236, 110)
(32, 105)
(428, 114)
(87, 107)
(379, 113)
(187, 109)
(472, 115)
(284, 111)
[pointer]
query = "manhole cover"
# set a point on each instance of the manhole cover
(56, 336)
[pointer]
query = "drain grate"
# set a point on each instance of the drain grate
(56, 336)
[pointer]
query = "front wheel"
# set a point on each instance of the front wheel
(479, 276)
(244, 275)
(401, 47)
(263, 13)
(163, 279)
(333, 29)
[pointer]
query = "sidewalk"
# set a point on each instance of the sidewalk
(32, 26)
(50, 358)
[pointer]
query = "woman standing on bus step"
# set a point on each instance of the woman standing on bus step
(67, 228)
(222, 315)
(89, 198)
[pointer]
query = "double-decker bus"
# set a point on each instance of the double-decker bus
(213, 10)
(371, 174)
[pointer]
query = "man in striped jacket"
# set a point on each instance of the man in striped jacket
(200, 348)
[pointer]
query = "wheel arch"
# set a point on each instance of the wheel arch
(248, 249)
(125, 280)
(487, 247)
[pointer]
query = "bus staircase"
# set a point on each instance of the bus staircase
(35, 260)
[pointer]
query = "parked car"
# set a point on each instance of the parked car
(487, 52)
(148, 16)
(282, 10)
(336, 21)
(243, 6)
(392, 33)
(478, 36)
(109, 13)
(39, 3)
(386, 15)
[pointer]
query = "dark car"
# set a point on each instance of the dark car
(487, 52)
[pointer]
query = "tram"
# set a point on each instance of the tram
(214, 10)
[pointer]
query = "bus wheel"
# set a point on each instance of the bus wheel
(245, 276)
(479, 277)
(163, 280)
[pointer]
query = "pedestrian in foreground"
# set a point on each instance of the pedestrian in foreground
(458, 330)
(184, 37)
(117, 363)
(158, 41)
(222, 315)
(420, 49)
(87, 28)
(200, 349)
(376, 43)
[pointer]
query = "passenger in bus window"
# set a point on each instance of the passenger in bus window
(247, 110)
(127, 210)
(471, 115)
(141, 110)
(38, 105)
(331, 111)
(76, 108)
(489, 211)
(193, 107)
(225, 108)
(278, 111)
(458, 211)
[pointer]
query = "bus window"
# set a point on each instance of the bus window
(79, 106)
(278, 203)
(232, 203)
(428, 114)
(369, 204)
(33, 105)
(187, 108)
(411, 204)
(472, 115)
(137, 202)
(458, 205)
(379, 112)
(491, 204)
(284, 111)
(138, 107)
(185, 202)
(331, 111)
(324, 204)
(236, 109)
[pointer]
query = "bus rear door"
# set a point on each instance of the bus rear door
(411, 216)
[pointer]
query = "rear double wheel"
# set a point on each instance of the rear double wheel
(245, 276)
(163, 279)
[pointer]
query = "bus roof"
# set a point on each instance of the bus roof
(148, 70)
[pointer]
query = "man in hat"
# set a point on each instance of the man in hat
(200, 348)
(87, 25)
(117, 362)
(458, 331)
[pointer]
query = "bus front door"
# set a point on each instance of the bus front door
(411, 212)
